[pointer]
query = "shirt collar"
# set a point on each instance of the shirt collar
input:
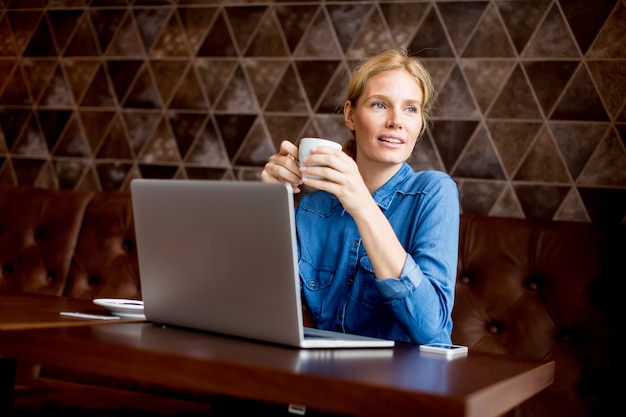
(384, 195)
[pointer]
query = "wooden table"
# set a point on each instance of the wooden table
(21, 311)
(372, 382)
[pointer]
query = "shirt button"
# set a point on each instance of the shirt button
(350, 281)
(356, 243)
(312, 283)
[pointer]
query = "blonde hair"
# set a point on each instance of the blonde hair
(388, 60)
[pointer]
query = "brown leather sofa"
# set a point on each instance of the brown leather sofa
(548, 290)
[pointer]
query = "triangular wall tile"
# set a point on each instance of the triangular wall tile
(607, 165)
(119, 71)
(430, 39)
(208, 150)
(127, 41)
(6, 172)
(577, 141)
(186, 127)
(96, 125)
(294, 19)
(440, 70)
(214, 76)
(403, 19)
(507, 205)
(288, 96)
(486, 78)
(161, 146)
(335, 94)
(112, 175)
(172, 41)
(455, 100)
(371, 38)
(167, 74)
(490, 38)
(285, 127)
(347, 20)
(27, 170)
(318, 41)
(425, 156)
(478, 159)
(332, 127)
(256, 149)
(151, 23)
(516, 100)
(189, 94)
(572, 209)
(140, 126)
(233, 130)
(6, 48)
(196, 23)
(41, 43)
(512, 141)
(478, 197)
(218, 41)
(82, 42)
(89, 181)
(580, 100)
(79, 75)
(52, 124)
(609, 76)
(106, 22)
(264, 75)
(552, 39)
(15, 92)
(315, 74)
(244, 21)
(610, 41)
(237, 96)
(548, 79)
(543, 162)
(99, 93)
(57, 92)
(47, 177)
(586, 18)
(6, 68)
(12, 123)
(521, 19)
(268, 40)
(38, 73)
(69, 173)
(158, 171)
(31, 142)
(460, 19)
(143, 94)
(450, 137)
(115, 144)
(72, 141)
(22, 25)
(203, 173)
(540, 201)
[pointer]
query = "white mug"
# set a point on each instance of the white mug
(306, 144)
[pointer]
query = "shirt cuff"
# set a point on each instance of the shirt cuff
(410, 278)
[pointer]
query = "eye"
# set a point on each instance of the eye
(412, 109)
(378, 105)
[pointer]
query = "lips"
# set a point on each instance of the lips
(391, 139)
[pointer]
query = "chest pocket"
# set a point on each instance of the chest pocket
(315, 284)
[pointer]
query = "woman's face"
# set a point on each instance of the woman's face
(387, 118)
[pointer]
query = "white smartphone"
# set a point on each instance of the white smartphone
(448, 350)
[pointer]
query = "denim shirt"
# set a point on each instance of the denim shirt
(337, 278)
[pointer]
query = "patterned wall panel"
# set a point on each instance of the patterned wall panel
(531, 118)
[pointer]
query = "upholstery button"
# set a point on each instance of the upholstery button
(7, 269)
(39, 235)
(52, 275)
(465, 279)
(127, 245)
(94, 281)
(494, 328)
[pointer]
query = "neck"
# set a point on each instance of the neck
(376, 174)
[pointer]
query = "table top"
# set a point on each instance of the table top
(367, 382)
(19, 311)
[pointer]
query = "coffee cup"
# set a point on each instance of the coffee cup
(306, 144)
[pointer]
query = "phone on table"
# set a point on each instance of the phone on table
(448, 350)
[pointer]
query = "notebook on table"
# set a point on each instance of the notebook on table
(220, 256)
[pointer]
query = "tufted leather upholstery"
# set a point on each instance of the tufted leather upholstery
(541, 289)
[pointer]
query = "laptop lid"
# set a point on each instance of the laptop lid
(221, 256)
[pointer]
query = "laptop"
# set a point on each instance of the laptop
(220, 256)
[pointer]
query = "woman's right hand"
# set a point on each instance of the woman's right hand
(283, 167)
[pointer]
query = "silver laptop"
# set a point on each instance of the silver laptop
(220, 256)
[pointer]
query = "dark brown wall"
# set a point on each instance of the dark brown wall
(531, 119)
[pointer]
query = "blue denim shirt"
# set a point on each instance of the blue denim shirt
(336, 275)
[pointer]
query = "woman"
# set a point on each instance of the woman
(377, 242)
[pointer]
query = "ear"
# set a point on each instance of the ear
(348, 114)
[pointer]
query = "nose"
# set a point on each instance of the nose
(395, 119)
